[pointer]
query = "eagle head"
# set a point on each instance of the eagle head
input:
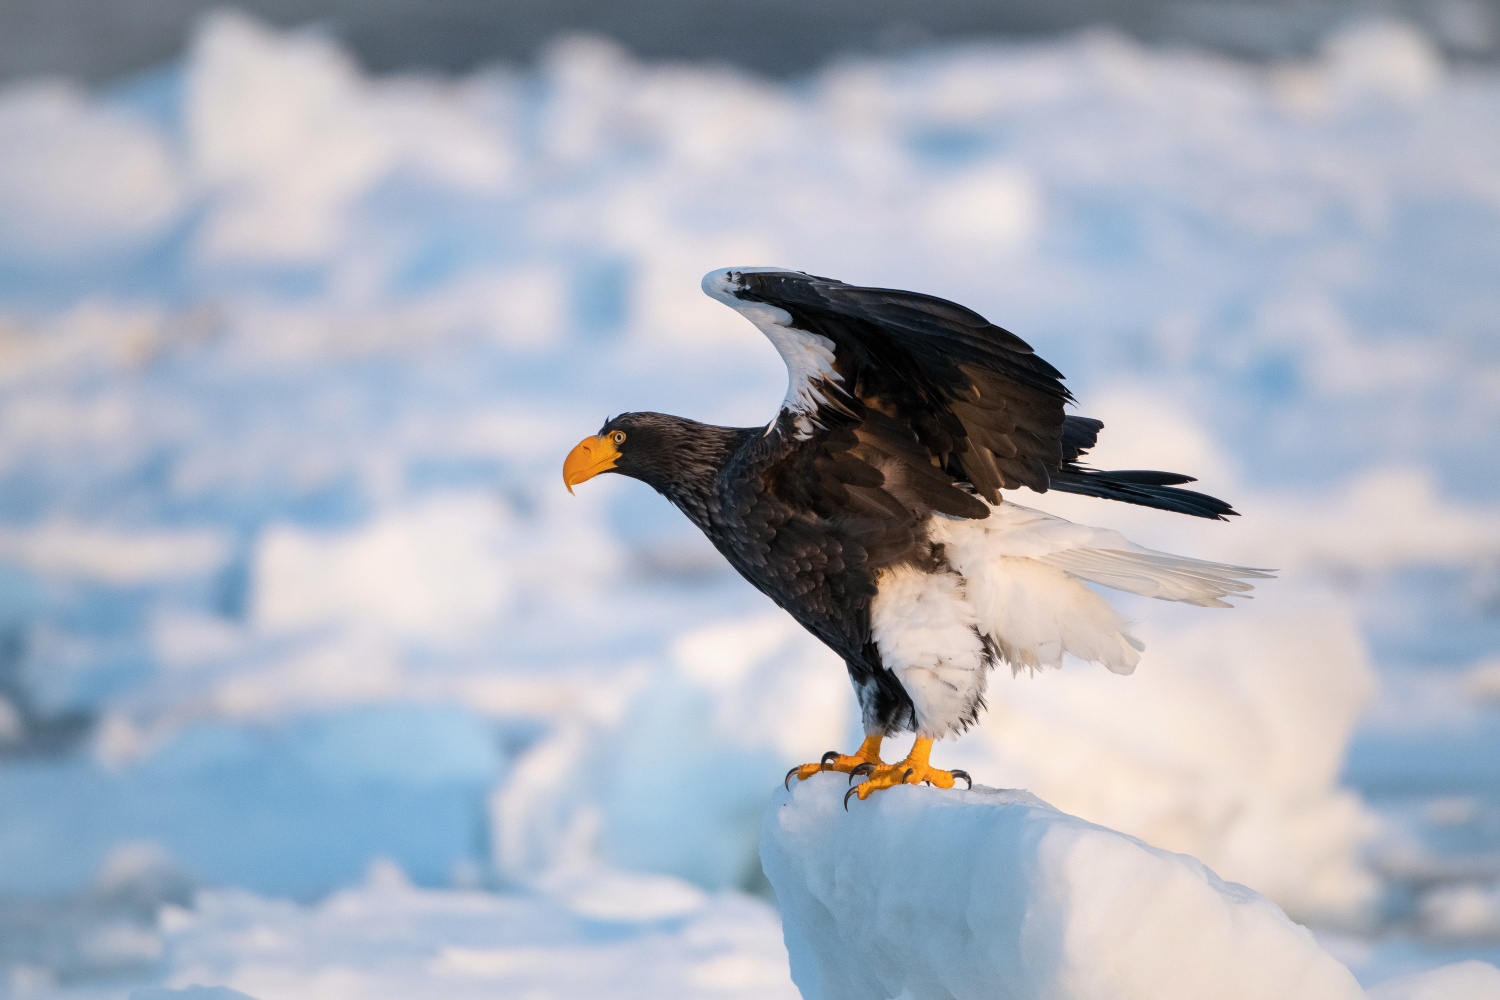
(662, 451)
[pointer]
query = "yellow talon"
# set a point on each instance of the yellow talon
(912, 771)
(868, 753)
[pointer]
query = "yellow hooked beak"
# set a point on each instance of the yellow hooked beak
(592, 456)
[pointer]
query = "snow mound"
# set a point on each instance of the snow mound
(1469, 980)
(387, 940)
(923, 893)
(1467, 911)
(1227, 745)
(190, 993)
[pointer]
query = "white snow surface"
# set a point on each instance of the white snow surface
(288, 581)
(1227, 749)
(386, 939)
(1469, 980)
(923, 893)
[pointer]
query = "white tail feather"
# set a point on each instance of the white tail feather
(1034, 613)
(1023, 573)
(1159, 575)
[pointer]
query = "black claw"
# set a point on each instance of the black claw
(850, 792)
(909, 770)
(831, 755)
(788, 782)
(964, 775)
(865, 768)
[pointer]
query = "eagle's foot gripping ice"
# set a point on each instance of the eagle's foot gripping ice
(912, 771)
(868, 755)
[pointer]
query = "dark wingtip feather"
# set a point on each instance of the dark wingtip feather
(1149, 477)
(1079, 434)
(1144, 488)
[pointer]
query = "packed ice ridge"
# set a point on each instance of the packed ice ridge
(915, 893)
(925, 894)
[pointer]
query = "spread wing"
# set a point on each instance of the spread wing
(974, 396)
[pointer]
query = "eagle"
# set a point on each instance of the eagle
(871, 506)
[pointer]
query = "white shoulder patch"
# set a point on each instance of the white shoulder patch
(808, 356)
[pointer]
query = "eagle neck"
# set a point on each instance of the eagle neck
(690, 478)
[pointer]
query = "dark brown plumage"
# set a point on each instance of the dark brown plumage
(906, 416)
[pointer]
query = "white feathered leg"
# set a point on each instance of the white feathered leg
(927, 633)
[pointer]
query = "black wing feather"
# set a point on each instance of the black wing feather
(913, 357)
(1079, 435)
(964, 402)
(1146, 489)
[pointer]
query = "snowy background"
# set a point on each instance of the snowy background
(315, 682)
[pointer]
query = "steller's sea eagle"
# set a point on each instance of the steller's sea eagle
(869, 508)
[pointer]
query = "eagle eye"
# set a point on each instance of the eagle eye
(618, 437)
